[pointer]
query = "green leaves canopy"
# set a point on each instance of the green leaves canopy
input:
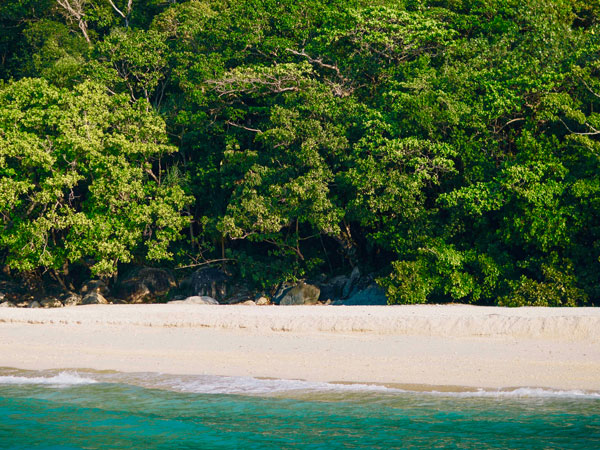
(448, 147)
(77, 178)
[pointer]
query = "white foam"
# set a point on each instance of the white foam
(61, 379)
(257, 386)
(209, 384)
(524, 392)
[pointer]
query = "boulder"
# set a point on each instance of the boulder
(196, 300)
(301, 294)
(35, 304)
(262, 300)
(333, 289)
(249, 303)
(7, 305)
(51, 302)
(209, 281)
(70, 299)
(372, 295)
(351, 283)
(236, 293)
(98, 286)
(282, 289)
(94, 298)
(144, 285)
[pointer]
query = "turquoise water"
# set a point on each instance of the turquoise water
(111, 410)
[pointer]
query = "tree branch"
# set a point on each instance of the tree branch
(233, 124)
(518, 119)
(589, 88)
(212, 261)
(124, 16)
(74, 8)
(594, 131)
(319, 62)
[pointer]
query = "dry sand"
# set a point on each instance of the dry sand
(452, 345)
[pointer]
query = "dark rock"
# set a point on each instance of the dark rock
(237, 294)
(70, 299)
(51, 302)
(98, 286)
(94, 298)
(144, 285)
(333, 289)
(282, 289)
(301, 294)
(372, 295)
(196, 300)
(35, 304)
(208, 281)
(351, 283)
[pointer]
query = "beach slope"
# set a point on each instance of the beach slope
(425, 345)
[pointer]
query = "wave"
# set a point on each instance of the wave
(61, 379)
(261, 386)
(254, 386)
(523, 392)
(207, 384)
(210, 384)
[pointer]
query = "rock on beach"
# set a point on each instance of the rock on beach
(196, 300)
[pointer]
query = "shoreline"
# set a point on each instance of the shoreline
(269, 386)
(442, 346)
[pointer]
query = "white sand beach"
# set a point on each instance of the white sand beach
(425, 345)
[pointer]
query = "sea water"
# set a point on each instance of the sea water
(111, 410)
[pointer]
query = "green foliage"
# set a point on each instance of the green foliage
(58, 55)
(132, 61)
(557, 289)
(449, 146)
(408, 283)
(77, 179)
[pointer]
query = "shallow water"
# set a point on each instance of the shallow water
(111, 410)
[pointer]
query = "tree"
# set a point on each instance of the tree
(81, 180)
(133, 61)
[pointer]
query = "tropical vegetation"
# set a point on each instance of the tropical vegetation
(450, 147)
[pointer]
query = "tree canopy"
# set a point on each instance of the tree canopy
(452, 148)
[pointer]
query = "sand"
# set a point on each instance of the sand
(425, 345)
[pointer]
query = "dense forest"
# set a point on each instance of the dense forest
(449, 147)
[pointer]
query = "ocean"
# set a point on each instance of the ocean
(110, 410)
